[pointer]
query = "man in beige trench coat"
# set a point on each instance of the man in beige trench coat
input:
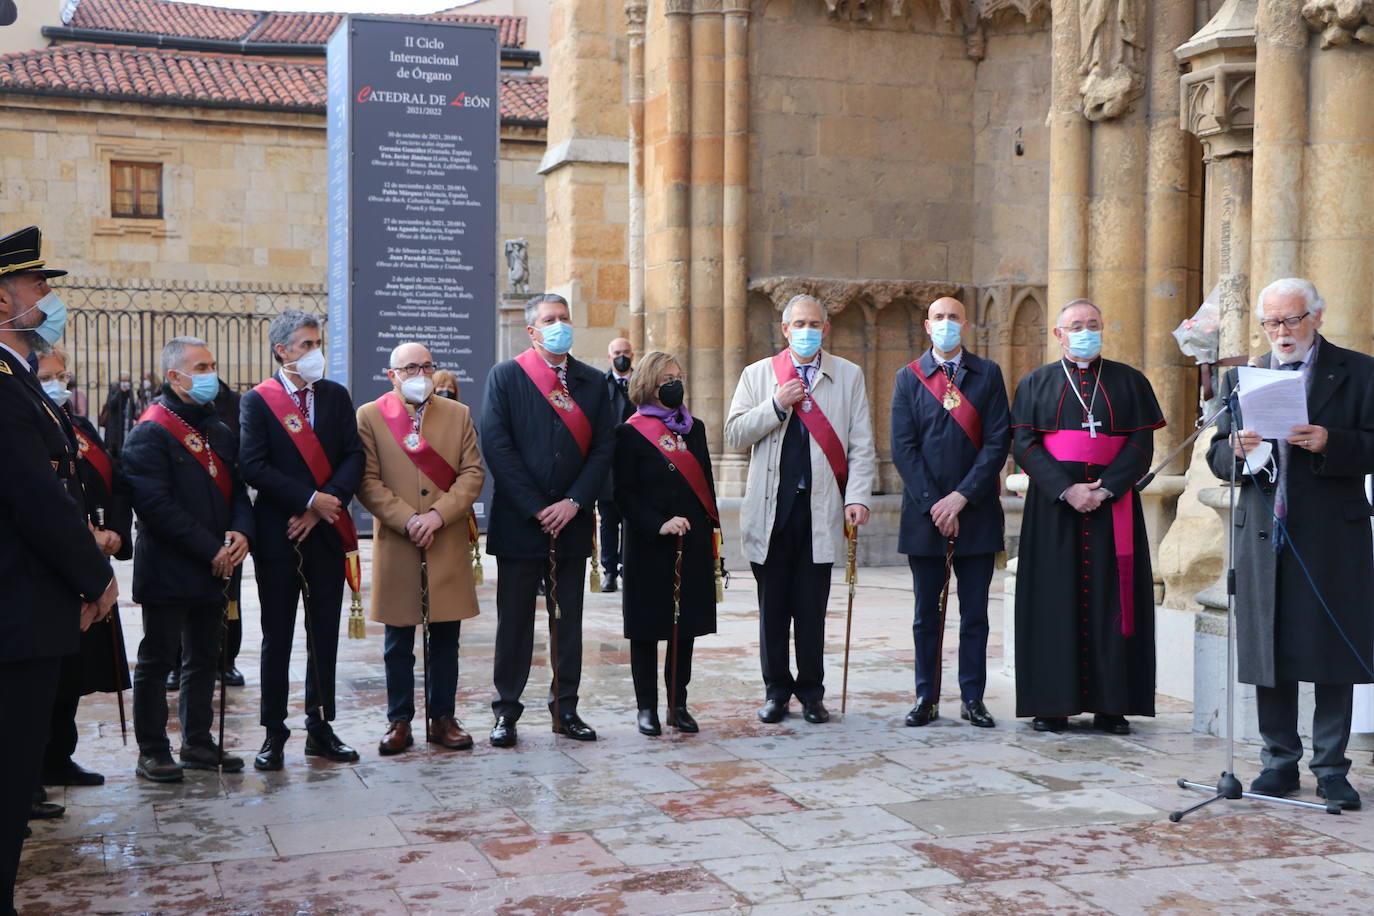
(422, 475)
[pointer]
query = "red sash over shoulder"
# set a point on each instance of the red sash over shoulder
(424, 456)
(546, 380)
(1078, 445)
(814, 419)
(953, 400)
(193, 442)
(671, 447)
(288, 414)
(93, 453)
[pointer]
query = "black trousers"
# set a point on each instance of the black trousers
(644, 670)
(168, 630)
(610, 536)
(27, 689)
(61, 729)
(793, 593)
(516, 581)
(279, 590)
(973, 575)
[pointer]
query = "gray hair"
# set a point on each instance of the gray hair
(1292, 286)
(1074, 304)
(804, 297)
(286, 324)
(174, 351)
(532, 307)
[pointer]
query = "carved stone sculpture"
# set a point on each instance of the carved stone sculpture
(1341, 21)
(1111, 52)
(518, 265)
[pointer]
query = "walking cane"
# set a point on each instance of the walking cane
(116, 644)
(934, 699)
(551, 601)
(424, 626)
(851, 576)
(223, 661)
(672, 643)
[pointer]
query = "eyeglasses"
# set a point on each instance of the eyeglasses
(1081, 326)
(1292, 321)
(410, 370)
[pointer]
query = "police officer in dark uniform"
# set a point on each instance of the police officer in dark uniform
(57, 582)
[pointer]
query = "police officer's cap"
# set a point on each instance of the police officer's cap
(19, 253)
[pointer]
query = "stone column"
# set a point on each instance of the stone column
(734, 221)
(707, 160)
(674, 184)
(1070, 170)
(636, 11)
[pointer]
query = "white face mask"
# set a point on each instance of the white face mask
(309, 367)
(418, 389)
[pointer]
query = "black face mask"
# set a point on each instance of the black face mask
(622, 364)
(670, 394)
(447, 394)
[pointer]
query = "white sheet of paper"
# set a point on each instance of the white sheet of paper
(1272, 401)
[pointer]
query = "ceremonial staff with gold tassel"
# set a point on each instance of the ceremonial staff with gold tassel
(422, 475)
(299, 447)
(851, 578)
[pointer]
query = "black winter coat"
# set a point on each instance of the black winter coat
(182, 515)
(648, 493)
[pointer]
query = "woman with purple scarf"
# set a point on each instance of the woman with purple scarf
(663, 485)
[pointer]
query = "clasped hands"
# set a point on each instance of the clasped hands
(945, 513)
(230, 555)
(553, 519)
(422, 527)
(1086, 497)
(324, 507)
(100, 608)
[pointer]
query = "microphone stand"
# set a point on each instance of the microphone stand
(1227, 785)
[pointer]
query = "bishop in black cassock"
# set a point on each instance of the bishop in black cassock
(1084, 589)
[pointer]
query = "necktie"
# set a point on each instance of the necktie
(624, 384)
(1281, 491)
(301, 398)
(562, 372)
(949, 371)
(32, 360)
(806, 375)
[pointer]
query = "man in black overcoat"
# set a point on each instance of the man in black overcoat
(949, 449)
(1290, 628)
(543, 489)
(57, 582)
(620, 353)
(294, 528)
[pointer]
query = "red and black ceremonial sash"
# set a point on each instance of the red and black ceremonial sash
(420, 452)
(814, 419)
(679, 458)
(546, 381)
(94, 454)
(192, 441)
(302, 434)
(948, 395)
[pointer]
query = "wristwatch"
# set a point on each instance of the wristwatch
(576, 505)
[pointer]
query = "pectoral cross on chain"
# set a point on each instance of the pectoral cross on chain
(1091, 426)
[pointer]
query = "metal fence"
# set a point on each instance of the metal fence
(117, 328)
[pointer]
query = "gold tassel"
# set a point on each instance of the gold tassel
(233, 613)
(357, 626)
(474, 540)
(720, 568)
(594, 586)
(1001, 561)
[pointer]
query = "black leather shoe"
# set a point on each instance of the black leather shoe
(173, 679)
(682, 720)
(1278, 783)
(503, 732)
(209, 757)
(159, 767)
(571, 725)
(814, 711)
(71, 773)
(976, 713)
(328, 745)
(1050, 723)
(1338, 790)
(922, 714)
(1112, 725)
(271, 756)
(608, 582)
(773, 710)
(45, 811)
(233, 677)
(647, 720)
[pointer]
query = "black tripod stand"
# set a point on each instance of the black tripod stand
(1227, 785)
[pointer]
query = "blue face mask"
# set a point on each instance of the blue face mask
(54, 318)
(57, 391)
(204, 387)
(1085, 344)
(945, 334)
(558, 337)
(805, 341)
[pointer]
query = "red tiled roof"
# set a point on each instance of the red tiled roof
(192, 20)
(154, 75)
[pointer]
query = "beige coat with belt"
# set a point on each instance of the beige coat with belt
(753, 423)
(393, 489)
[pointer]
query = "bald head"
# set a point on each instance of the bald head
(947, 326)
(946, 308)
(408, 353)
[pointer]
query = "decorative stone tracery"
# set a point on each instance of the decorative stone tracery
(840, 294)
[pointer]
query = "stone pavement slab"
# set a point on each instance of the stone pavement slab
(858, 815)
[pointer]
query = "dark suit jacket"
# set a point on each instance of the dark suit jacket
(270, 462)
(182, 515)
(534, 460)
(935, 457)
(621, 408)
(49, 562)
(119, 515)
